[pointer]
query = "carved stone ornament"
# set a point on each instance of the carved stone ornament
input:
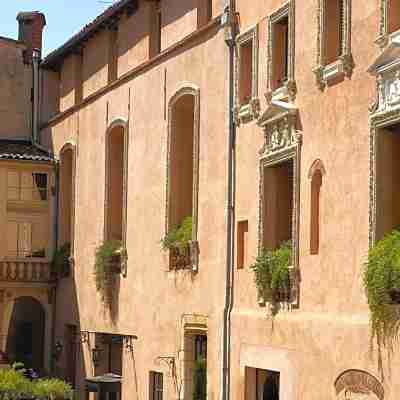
(279, 123)
(384, 111)
(344, 64)
(358, 385)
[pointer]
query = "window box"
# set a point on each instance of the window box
(184, 257)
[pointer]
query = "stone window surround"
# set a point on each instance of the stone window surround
(250, 111)
(287, 150)
(191, 324)
(119, 122)
(385, 37)
(272, 359)
(344, 64)
(289, 89)
(192, 90)
(72, 147)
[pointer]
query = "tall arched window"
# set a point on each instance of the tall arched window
(116, 159)
(67, 172)
(183, 158)
(316, 173)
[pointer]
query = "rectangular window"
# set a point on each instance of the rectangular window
(280, 54)
(79, 77)
(334, 30)
(200, 347)
(155, 28)
(204, 12)
(156, 385)
(113, 54)
(394, 16)
(388, 181)
(278, 204)
(246, 72)
(242, 233)
(261, 384)
(26, 186)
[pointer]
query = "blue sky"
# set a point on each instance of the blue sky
(64, 17)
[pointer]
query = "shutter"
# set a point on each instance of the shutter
(24, 239)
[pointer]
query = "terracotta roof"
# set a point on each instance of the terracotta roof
(100, 22)
(22, 150)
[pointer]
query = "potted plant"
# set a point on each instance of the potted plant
(60, 265)
(382, 285)
(107, 265)
(177, 241)
(271, 270)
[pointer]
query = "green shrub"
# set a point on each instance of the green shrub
(52, 389)
(381, 278)
(180, 236)
(271, 270)
(14, 385)
(200, 380)
(60, 263)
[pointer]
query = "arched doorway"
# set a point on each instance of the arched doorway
(25, 339)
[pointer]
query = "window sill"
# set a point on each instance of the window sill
(286, 92)
(247, 112)
(27, 205)
(338, 69)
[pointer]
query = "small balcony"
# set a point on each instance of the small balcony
(25, 271)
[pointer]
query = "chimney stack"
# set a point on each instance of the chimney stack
(31, 26)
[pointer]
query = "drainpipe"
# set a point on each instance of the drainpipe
(230, 36)
(35, 107)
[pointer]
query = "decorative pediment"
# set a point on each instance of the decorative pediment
(388, 59)
(386, 68)
(279, 123)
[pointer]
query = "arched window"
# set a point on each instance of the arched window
(316, 173)
(183, 158)
(67, 172)
(116, 159)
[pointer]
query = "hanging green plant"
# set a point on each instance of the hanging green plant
(382, 285)
(107, 265)
(271, 270)
(60, 265)
(200, 380)
(178, 237)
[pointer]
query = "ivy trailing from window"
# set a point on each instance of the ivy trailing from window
(60, 265)
(271, 270)
(107, 266)
(178, 237)
(382, 285)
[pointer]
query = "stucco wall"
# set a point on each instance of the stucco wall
(329, 332)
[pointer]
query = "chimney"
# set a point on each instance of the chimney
(31, 26)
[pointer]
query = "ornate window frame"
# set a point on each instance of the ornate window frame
(282, 142)
(71, 146)
(289, 89)
(124, 124)
(247, 112)
(344, 64)
(385, 37)
(191, 90)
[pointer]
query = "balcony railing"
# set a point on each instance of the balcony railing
(29, 271)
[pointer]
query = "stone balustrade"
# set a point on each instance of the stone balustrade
(29, 271)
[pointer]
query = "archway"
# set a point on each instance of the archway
(25, 339)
